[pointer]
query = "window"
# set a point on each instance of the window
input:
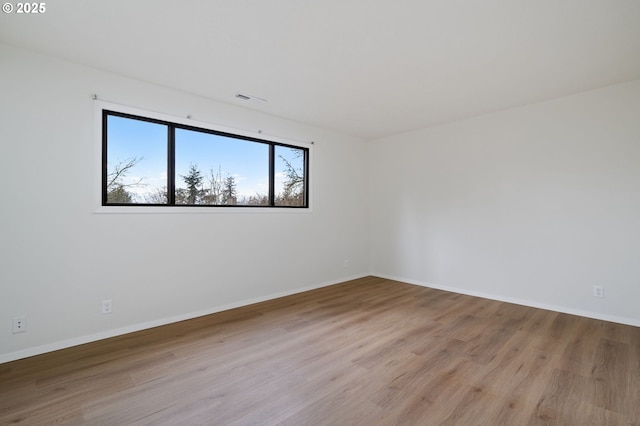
(150, 162)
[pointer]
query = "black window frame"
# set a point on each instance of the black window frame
(171, 170)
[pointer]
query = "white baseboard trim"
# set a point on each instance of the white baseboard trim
(63, 344)
(549, 307)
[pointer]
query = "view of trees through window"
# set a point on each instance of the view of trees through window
(150, 162)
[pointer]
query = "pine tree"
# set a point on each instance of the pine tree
(229, 192)
(193, 180)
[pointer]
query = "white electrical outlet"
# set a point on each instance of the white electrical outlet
(598, 291)
(106, 306)
(19, 325)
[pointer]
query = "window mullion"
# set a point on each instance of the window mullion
(272, 183)
(171, 165)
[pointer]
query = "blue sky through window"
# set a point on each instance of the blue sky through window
(144, 141)
(246, 161)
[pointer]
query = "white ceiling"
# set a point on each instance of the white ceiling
(368, 68)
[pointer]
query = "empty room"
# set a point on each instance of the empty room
(320, 213)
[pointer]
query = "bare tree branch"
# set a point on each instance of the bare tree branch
(119, 171)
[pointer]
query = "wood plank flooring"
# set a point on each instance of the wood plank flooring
(366, 352)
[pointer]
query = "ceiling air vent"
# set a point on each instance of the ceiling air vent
(250, 98)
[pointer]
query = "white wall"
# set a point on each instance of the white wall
(534, 204)
(59, 259)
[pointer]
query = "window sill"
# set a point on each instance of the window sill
(196, 210)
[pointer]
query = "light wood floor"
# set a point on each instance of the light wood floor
(365, 352)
